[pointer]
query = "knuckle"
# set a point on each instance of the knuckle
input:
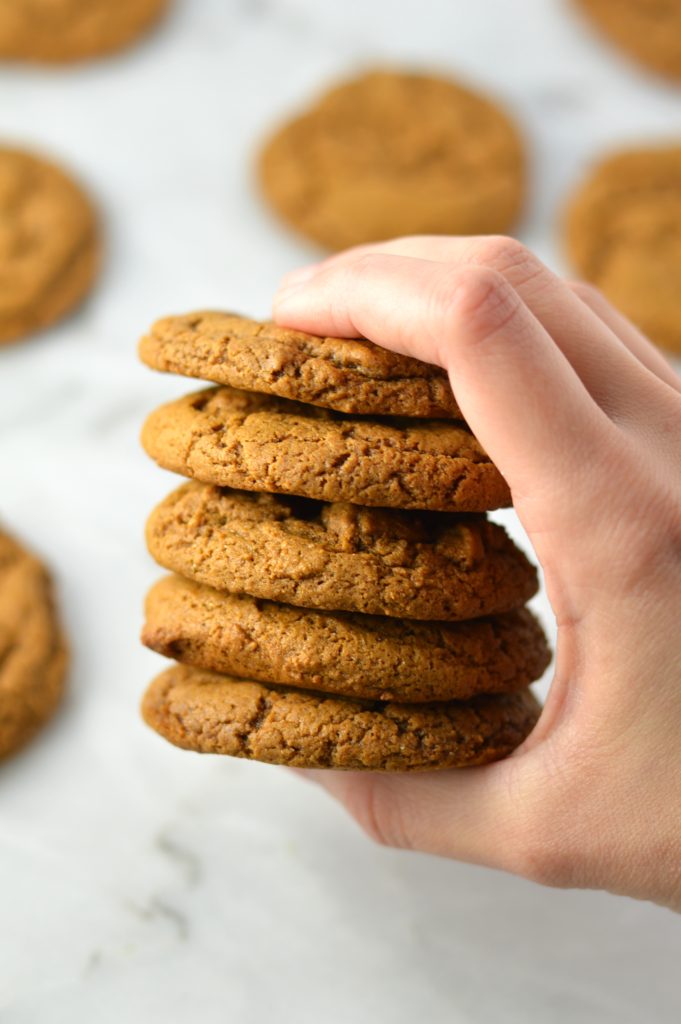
(482, 298)
(510, 258)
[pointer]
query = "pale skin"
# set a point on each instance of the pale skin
(582, 415)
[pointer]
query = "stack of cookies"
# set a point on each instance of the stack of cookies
(338, 599)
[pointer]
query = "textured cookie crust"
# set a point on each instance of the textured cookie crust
(260, 443)
(341, 557)
(63, 31)
(349, 375)
(623, 230)
(337, 652)
(214, 714)
(395, 154)
(32, 651)
(648, 30)
(49, 248)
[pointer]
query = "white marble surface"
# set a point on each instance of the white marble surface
(138, 883)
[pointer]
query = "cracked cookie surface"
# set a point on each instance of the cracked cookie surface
(623, 233)
(32, 650)
(262, 443)
(350, 375)
(49, 246)
(393, 153)
(210, 713)
(338, 652)
(339, 556)
(63, 31)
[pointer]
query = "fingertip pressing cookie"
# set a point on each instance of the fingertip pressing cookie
(350, 375)
(65, 31)
(49, 244)
(337, 652)
(33, 655)
(623, 233)
(393, 153)
(215, 714)
(650, 32)
(258, 442)
(338, 556)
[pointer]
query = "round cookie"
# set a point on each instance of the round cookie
(215, 714)
(350, 375)
(32, 651)
(49, 246)
(260, 443)
(394, 153)
(353, 655)
(623, 233)
(649, 32)
(340, 557)
(65, 31)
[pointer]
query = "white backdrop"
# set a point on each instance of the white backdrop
(144, 884)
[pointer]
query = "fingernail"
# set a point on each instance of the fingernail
(297, 277)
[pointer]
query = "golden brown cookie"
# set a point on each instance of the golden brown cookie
(648, 30)
(349, 375)
(261, 443)
(215, 714)
(64, 31)
(393, 153)
(49, 245)
(337, 652)
(418, 565)
(32, 650)
(623, 233)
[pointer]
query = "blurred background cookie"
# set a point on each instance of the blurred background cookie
(62, 31)
(649, 30)
(49, 244)
(623, 233)
(392, 154)
(32, 652)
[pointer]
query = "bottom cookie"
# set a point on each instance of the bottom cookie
(216, 714)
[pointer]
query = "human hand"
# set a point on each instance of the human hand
(582, 416)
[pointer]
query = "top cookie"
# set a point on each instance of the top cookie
(623, 231)
(349, 375)
(32, 654)
(260, 443)
(49, 249)
(62, 31)
(649, 32)
(392, 154)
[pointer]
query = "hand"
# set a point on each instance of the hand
(582, 416)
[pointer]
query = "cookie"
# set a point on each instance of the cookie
(393, 153)
(338, 652)
(49, 246)
(215, 714)
(623, 233)
(349, 375)
(261, 443)
(64, 31)
(32, 651)
(340, 557)
(650, 32)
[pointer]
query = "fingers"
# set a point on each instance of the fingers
(635, 341)
(602, 362)
(516, 389)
